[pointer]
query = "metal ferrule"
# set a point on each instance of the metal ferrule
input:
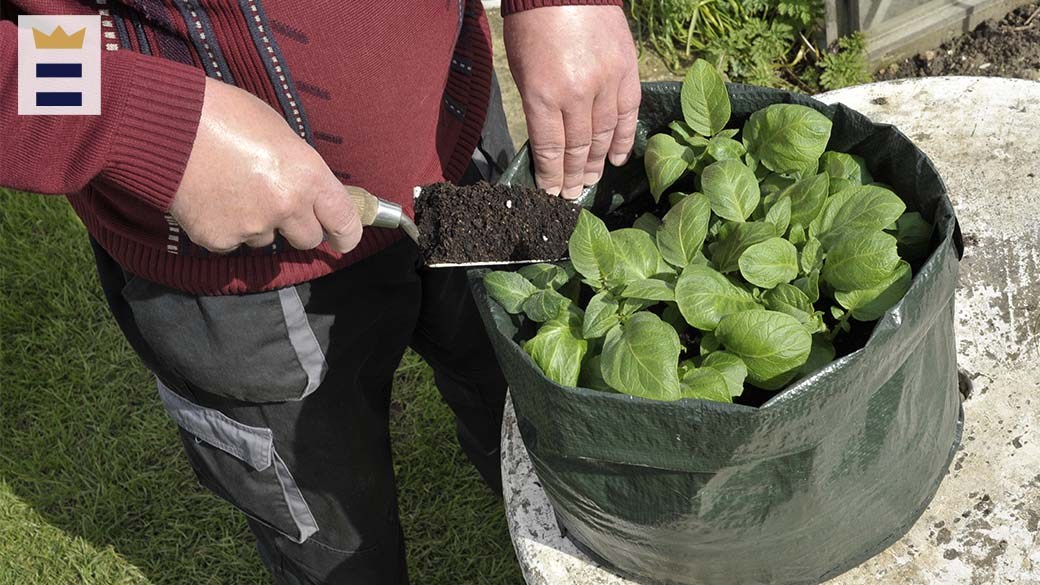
(388, 215)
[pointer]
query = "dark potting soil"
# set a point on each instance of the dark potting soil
(1009, 47)
(492, 223)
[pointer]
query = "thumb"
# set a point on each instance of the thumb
(338, 217)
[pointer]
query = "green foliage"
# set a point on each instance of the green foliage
(846, 64)
(725, 288)
(762, 42)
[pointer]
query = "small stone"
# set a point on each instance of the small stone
(985, 66)
(545, 238)
(929, 55)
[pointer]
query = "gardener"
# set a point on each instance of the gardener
(216, 166)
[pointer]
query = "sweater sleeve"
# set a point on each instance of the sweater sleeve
(511, 6)
(141, 141)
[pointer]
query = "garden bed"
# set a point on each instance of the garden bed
(1006, 48)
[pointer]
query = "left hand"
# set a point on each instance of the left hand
(576, 69)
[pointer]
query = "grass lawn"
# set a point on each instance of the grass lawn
(94, 489)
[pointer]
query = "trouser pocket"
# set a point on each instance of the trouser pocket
(256, 347)
(240, 464)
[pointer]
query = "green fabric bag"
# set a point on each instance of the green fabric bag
(826, 474)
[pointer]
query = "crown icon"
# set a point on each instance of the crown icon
(59, 39)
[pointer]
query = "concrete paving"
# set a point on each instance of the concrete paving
(983, 527)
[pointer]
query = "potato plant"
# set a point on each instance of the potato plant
(766, 248)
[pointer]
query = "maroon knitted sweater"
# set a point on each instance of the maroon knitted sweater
(391, 94)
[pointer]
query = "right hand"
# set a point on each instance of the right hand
(249, 175)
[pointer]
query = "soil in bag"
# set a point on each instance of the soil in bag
(492, 223)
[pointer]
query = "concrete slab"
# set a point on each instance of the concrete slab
(983, 527)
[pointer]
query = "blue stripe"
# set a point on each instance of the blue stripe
(59, 98)
(283, 101)
(59, 70)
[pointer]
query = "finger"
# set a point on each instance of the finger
(629, 95)
(604, 119)
(545, 133)
(578, 139)
(302, 233)
(336, 213)
(260, 240)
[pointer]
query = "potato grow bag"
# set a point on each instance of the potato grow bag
(826, 474)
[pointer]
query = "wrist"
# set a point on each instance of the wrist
(514, 6)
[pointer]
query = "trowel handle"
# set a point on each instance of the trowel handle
(366, 203)
(374, 211)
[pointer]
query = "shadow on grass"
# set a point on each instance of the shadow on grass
(84, 442)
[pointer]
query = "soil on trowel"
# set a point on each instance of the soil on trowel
(492, 223)
(1006, 48)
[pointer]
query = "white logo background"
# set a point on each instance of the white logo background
(89, 57)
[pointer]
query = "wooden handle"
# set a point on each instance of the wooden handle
(366, 203)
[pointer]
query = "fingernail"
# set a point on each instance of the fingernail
(571, 192)
(553, 190)
(617, 159)
(591, 178)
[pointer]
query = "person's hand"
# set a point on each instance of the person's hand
(249, 174)
(578, 76)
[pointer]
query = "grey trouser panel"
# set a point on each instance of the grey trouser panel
(282, 398)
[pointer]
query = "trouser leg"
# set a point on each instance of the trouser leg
(451, 336)
(309, 464)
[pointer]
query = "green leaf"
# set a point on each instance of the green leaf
(729, 133)
(838, 185)
(558, 348)
(509, 289)
(683, 230)
(780, 214)
(732, 189)
(809, 285)
(722, 148)
(797, 235)
(592, 375)
(637, 256)
(787, 137)
(683, 133)
(600, 315)
(811, 257)
(650, 289)
(673, 317)
(705, 296)
(705, 103)
(591, 249)
(732, 369)
(544, 275)
(871, 304)
(641, 358)
(860, 260)
(913, 236)
(769, 263)
(808, 197)
(821, 354)
(837, 312)
(630, 307)
(705, 384)
(709, 343)
(788, 299)
(544, 305)
(848, 167)
(774, 183)
(771, 344)
(666, 161)
(647, 222)
(732, 244)
(858, 208)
